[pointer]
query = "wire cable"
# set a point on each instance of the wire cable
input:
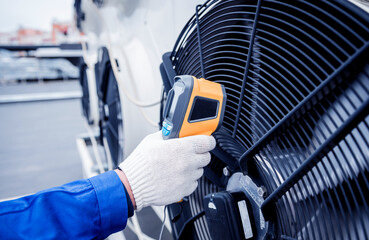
(162, 226)
(115, 67)
(84, 51)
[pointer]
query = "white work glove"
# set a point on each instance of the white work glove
(161, 172)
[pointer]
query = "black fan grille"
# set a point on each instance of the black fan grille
(85, 100)
(112, 123)
(297, 88)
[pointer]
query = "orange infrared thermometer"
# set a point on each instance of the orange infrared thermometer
(194, 107)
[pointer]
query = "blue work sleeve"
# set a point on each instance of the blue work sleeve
(86, 209)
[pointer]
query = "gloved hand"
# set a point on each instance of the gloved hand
(161, 172)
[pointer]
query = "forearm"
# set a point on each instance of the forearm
(90, 208)
(124, 180)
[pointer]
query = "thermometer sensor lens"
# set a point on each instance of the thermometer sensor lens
(177, 90)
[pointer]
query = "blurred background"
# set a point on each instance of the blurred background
(39, 96)
(42, 129)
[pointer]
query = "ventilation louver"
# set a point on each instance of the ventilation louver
(296, 75)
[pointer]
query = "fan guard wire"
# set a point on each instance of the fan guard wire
(296, 76)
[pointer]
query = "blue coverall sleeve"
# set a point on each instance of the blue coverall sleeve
(86, 209)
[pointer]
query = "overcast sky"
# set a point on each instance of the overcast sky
(37, 14)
